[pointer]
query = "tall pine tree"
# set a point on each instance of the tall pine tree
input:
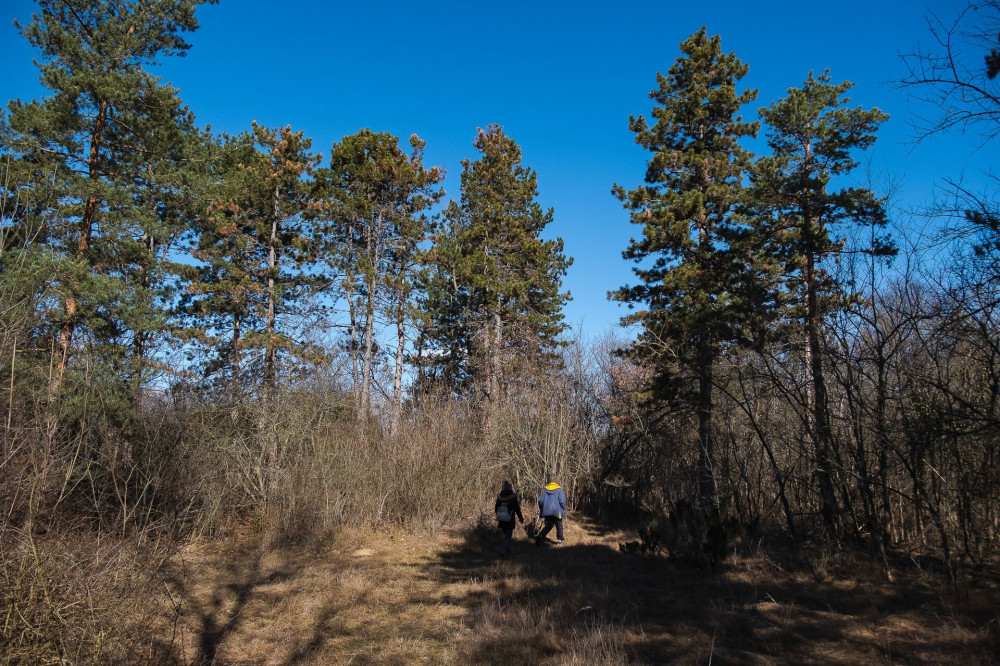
(813, 137)
(494, 298)
(690, 280)
(253, 247)
(99, 162)
(377, 197)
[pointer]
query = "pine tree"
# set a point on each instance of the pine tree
(253, 246)
(494, 297)
(377, 198)
(813, 137)
(100, 160)
(694, 290)
(413, 227)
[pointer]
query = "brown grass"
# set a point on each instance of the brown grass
(394, 597)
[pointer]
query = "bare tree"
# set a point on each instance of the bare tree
(956, 75)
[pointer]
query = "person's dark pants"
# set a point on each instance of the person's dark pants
(508, 533)
(549, 522)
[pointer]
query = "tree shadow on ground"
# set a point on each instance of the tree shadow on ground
(330, 604)
(214, 605)
(400, 598)
(754, 608)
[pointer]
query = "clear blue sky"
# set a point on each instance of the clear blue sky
(561, 77)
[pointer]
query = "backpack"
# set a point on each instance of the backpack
(503, 513)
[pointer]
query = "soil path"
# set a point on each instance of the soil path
(393, 597)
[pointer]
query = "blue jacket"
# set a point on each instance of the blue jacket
(552, 502)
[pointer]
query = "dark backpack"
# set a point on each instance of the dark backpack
(503, 513)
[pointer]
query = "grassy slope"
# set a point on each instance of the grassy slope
(398, 598)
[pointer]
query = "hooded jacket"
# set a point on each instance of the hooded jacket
(509, 497)
(552, 502)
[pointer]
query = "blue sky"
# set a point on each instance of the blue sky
(561, 77)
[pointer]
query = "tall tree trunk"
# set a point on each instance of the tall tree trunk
(142, 337)
(352, 324)
(374, 237)
(496, 357)
(270, 372)
(823, 434)
(708, 491)
(272, 263)
(397, 374)
(83, 244)
(493, 335)
(235, 378)
(367, 361)
(68, 326)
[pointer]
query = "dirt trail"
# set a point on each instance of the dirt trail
(397, 598)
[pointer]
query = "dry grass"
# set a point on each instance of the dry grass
(363, 598)
(394, 597)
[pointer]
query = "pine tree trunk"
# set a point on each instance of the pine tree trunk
(397, 374)
(272, 262)
(493, 335)
(496, 356)
(270, 371)
(235, 379)
(369, 333)
(823, 434)
(68, 326)
(352, 326)
(708, 491)
(142, 337)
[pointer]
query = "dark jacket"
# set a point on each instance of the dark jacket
(513, 506)
(552, 502)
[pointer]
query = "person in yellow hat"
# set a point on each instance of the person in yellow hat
(551, 507)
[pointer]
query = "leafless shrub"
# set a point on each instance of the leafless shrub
(72, 596)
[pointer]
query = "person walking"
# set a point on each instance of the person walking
(551, 507)
(508, 512)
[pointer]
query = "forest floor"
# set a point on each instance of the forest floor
(394, 597)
